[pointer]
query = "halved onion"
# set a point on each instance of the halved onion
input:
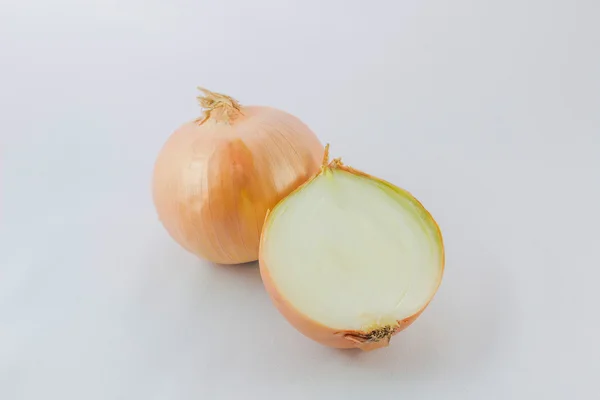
(349, 259)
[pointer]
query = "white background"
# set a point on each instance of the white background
(488, 111)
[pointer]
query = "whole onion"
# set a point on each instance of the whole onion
(217, 176)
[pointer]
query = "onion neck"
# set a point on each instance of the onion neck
(218, 107)
(326, 164)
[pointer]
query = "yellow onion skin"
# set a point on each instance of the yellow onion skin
(215, 178)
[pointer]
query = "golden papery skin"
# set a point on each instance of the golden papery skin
(214, 182)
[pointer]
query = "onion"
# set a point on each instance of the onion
(216, 177)
(349, 259)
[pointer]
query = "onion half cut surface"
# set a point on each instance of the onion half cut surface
(349, 259)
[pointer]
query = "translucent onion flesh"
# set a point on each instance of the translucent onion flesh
(349, 259)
